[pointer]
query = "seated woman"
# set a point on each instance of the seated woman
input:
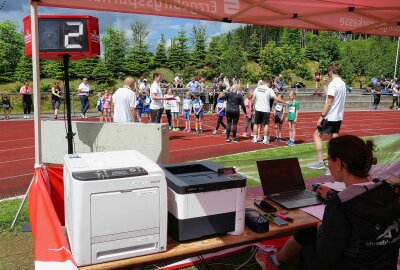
(360, 227)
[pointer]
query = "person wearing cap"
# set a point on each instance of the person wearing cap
(84, 90)
(280, 84)
(144, 86)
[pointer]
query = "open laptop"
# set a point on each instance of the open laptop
(283, 183)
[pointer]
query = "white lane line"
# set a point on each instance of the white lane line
(13, 149)
(14, 176)
(15, 160)
(16, 140)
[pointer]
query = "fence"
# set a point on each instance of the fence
(356, 100)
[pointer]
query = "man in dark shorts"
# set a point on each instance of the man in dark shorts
(331, 117)
(261, 96)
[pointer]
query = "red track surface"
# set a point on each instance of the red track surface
(17, 142)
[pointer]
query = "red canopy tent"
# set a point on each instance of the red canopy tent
(356, 16)
(349, 16)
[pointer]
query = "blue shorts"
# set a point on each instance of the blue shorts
(200, 115)
(186, 114)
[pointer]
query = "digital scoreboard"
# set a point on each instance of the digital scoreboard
(75, 35)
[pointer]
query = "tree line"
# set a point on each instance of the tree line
(249, 52)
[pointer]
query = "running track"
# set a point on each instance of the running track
(17, 142)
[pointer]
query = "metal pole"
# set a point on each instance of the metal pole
(70, 134)
(397, 58)
(36, 84)
(22, 203)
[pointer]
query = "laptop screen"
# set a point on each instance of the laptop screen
(280, 175)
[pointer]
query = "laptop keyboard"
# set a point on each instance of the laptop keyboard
(295, 196)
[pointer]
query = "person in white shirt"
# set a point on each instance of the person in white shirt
(156, 106)
(261, 97)
(144, 86)
(84, 90)
(331, 117)
(124, 100)
(175, 105)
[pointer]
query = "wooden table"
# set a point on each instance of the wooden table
(178, 251)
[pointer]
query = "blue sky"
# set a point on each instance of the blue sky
(17, 9)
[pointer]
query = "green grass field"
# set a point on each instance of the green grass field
(17, 247)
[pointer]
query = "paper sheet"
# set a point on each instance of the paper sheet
(338, 186)
(315, 210)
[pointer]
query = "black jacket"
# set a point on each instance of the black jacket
(233, 101)
(361, 229)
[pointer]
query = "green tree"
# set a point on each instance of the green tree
(178, 54)
(291, 36)
(253, 50)
(102, 74)
(23, 71)
(137, 61)
(115, 48)
(160, 59)
(198, 55)
(83, 68)
(214, 53)
(233, 60)
(139, 33)
(11, 49)
(52, 69)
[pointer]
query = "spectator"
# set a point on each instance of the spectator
(317, 79)
(144, 86)
(396, 94)
(280, 84)
(124, 100)
(377, 90)
(84, 90)
(193, 86)
(359, 229)
(156, 105)
(6, 103)
(384, 82)
(178, 81)
(56, 94)
(26, 93)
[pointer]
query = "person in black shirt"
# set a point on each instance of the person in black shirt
(233, 101)
(360, 228)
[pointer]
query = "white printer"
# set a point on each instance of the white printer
(204, 199)
(115, 206)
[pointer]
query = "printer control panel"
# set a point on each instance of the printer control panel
(109, 174)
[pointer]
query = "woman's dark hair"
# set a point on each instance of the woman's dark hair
(354, 153)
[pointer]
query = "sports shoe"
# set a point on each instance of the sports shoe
(188, 130)
(28, 116)
(264, 261)
(215, 132)
(25, 116)
(82, 115)
(244, 134)
(224, 132)
(291, 143)
(265, 141)
(55, 116)
(279, 139)
(288, 142)
(177, 129)
(201, 130)
(227, 140)
(254, 140)
(317, 165)
(234, 140)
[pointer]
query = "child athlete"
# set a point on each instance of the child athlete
(106, 101)
(293, 111)
(186, 109)
(279, 112)
(175, 104)
(221, 106)
(250, 113)
(99, 105)
(198, 109)
(140, 106)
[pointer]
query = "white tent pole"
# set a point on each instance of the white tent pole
(36, 83)
(397, 58)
